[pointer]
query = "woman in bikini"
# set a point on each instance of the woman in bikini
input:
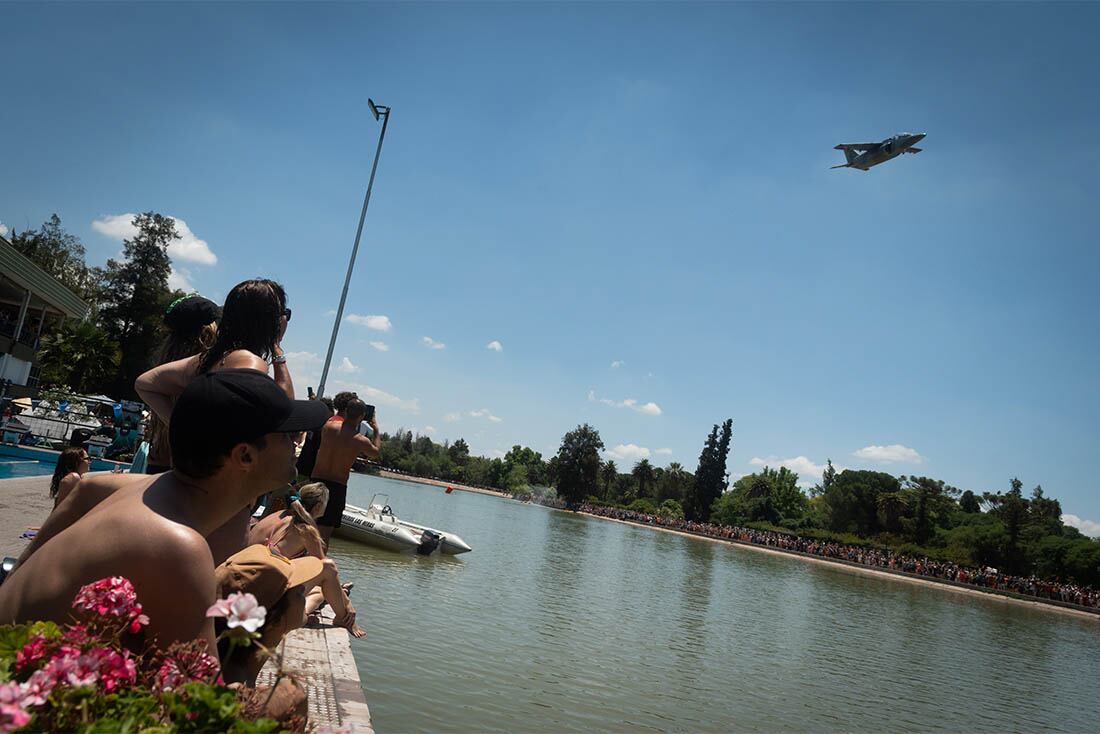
(293, 533)
(73, 463)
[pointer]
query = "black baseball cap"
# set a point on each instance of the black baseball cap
(221, 409)
(191, 313)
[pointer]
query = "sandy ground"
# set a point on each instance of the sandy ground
(24, 501)
(893, 576)
(439, 483)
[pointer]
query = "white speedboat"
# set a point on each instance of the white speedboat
(378, 526)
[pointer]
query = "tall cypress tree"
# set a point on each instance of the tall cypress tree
(710, 477)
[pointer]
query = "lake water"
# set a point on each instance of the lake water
(559, 622)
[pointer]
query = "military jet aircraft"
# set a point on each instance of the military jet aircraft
(875, 153)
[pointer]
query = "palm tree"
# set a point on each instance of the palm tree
(609, 473)
(79, 355)
(892, 505)
(643, 472)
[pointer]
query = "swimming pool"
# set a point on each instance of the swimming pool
(23, 461)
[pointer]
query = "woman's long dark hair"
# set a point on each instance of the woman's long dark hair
(251, 319)
(67, 463)
(176, 346)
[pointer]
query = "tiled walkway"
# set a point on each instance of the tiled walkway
(321, 657)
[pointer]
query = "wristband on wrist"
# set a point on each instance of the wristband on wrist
(278, 359)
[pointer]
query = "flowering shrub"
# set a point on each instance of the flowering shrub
(83, 677)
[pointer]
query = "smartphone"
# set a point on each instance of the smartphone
(369, 415)
(309, 393)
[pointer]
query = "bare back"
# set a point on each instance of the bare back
(130, 533)
(341, 445)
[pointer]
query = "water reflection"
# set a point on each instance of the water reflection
(690, 644)
(562, 623)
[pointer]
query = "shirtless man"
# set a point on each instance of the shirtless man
(231, 438)
(341, 445)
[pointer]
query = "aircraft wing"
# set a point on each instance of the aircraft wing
(857, 146)
(913, 150)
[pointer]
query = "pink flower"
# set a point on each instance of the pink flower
(112, 597)
(11, 693)
(31, 653)
(38, 687)
(114, 668)
(169, 676)
(84, 671)
(186, 666)
(12, 717)
(241, 610)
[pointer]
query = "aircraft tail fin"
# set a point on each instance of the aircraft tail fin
(850, 154)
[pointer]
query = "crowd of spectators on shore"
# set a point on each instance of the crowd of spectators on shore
(881, 558)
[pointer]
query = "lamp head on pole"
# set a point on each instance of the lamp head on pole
(377, 110)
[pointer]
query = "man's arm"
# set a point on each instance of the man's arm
(89, 492)
(370, 447)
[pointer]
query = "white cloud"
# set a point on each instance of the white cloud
(378, 323)
(380, 346)
(663, 452)
(808, 472)
(484, 413)
(4, 230)
(347, 367)
(495, 346)
(380, 397)
(305, 367)
(894, 453)
(1090, 528)
(452, 417)
(179, 279)
(646, 408)
(330, 312)
(188, 248)
(496, 454)
(429, 430)
(617, 364)
(432, 343)
(628, 452)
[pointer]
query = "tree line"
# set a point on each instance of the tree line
(921, 516)
(128, 297)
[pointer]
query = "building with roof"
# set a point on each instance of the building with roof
(31, 303)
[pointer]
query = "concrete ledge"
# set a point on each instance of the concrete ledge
(321, 657)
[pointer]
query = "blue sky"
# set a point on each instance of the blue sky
(633, 200)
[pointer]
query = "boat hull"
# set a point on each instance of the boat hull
(449, 543)
(362, 527)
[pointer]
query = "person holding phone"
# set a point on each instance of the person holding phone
(341, 445)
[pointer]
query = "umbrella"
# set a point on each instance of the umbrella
(22, 403)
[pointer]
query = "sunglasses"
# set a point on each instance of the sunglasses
(287, 312)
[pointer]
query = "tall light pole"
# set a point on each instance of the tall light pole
(384, 113)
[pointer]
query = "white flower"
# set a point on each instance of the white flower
(240, 610)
